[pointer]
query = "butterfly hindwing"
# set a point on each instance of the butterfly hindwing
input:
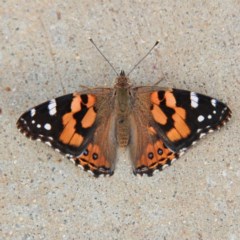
(93, 159)
(155, 157)
(100, 155)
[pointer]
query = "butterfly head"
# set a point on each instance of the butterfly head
(122, 80)
(122, 73)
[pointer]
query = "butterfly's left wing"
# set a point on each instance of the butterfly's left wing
(74, 125)
(167, 122)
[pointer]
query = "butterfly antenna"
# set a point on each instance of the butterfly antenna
(156, 43)
(103, 56)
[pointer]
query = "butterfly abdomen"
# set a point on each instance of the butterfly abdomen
(122, 106)
(123, 130)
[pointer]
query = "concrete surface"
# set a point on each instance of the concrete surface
(44, 52)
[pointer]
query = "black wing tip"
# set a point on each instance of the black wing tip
(23, 128)
(225, 117)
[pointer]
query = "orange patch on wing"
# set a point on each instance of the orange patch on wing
(170, 99)
(181, 112)
(165, 152)
(173, 135)
(102, 162)
(94, 163)
(181, 126)
(76, 104)
(76, 140)
(142, 162)
(158, 115)
(68, 131)
(89, 148)
(96, 149)
(151, 131)
(159, 144)
(154, 98)
(91, 100)
(158, 159)
(89, 118)
(67, 118)
(150, 148)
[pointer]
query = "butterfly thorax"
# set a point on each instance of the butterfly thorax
(122, 106)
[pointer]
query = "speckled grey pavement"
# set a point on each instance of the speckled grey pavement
(44, 52)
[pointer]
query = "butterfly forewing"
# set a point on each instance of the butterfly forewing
(182, 117)
(66, 123)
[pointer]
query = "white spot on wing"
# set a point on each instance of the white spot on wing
(194, 99)
(89, 171)
(202, 135)
(181, 153)
(47, 126)
(33, 112)
(209, 116)
(200, 118)
(194, 142)
(194, 104)
(48, 143)
(164, 166)
(174, 160)
(38, 125)
(53, 111)
(214, 102)
(23, 120)
(80, 166)
(72, 160)
(52, 107)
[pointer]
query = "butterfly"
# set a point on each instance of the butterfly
(157, 124)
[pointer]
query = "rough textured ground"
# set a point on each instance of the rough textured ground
(44, 52)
